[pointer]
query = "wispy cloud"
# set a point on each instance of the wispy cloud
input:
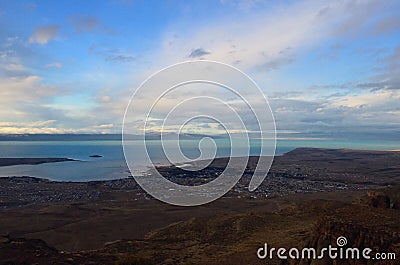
(387, 75)
(104, 126)
(44, 34)
(259, 39)
(84, 23)
(54, 65)
(387, 25)
(369, 99)
(277, 62)
(111, 54)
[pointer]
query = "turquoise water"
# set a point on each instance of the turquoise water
(113, 166)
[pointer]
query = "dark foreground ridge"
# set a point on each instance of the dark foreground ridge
(232, 229)
(310, 197)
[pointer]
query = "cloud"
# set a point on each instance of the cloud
(48, 127)
(259, 42)
(83, 23)
(27, 88)
(387, 76)
(375, 98)
(198, 53)
(26, 98)
(258, 38)
(13, 67)
(371, 114)
(104, 126)
(42, 123)
(31, 104)
(27, 124)
(44, 34)
(255, 42)
(119, 58)
(29, 130)
(54, 65)
(10, 62)
(277, 62)
(105, 99)
(23, 99)
(112, 54)
(387, 25)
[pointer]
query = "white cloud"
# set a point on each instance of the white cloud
(28, 130)
(370, 99)
(104, 126)
(13, 67)
(28, 127)
(27, 124)
(41, 123)
(253, 41)
(24, 88)
(22, 99)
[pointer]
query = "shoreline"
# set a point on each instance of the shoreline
(33, 179)
(15, 161)
(302, 155)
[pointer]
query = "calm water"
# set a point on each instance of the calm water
(112, 165)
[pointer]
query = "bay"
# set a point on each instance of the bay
(112, 164)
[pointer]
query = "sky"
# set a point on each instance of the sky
(330, 69)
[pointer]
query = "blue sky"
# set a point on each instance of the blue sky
(329, 68)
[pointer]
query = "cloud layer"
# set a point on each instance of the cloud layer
(329, 68)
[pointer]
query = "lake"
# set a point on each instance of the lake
(113, 166)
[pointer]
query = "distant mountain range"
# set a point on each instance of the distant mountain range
(95, 137)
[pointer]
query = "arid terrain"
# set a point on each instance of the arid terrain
(310, 198)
